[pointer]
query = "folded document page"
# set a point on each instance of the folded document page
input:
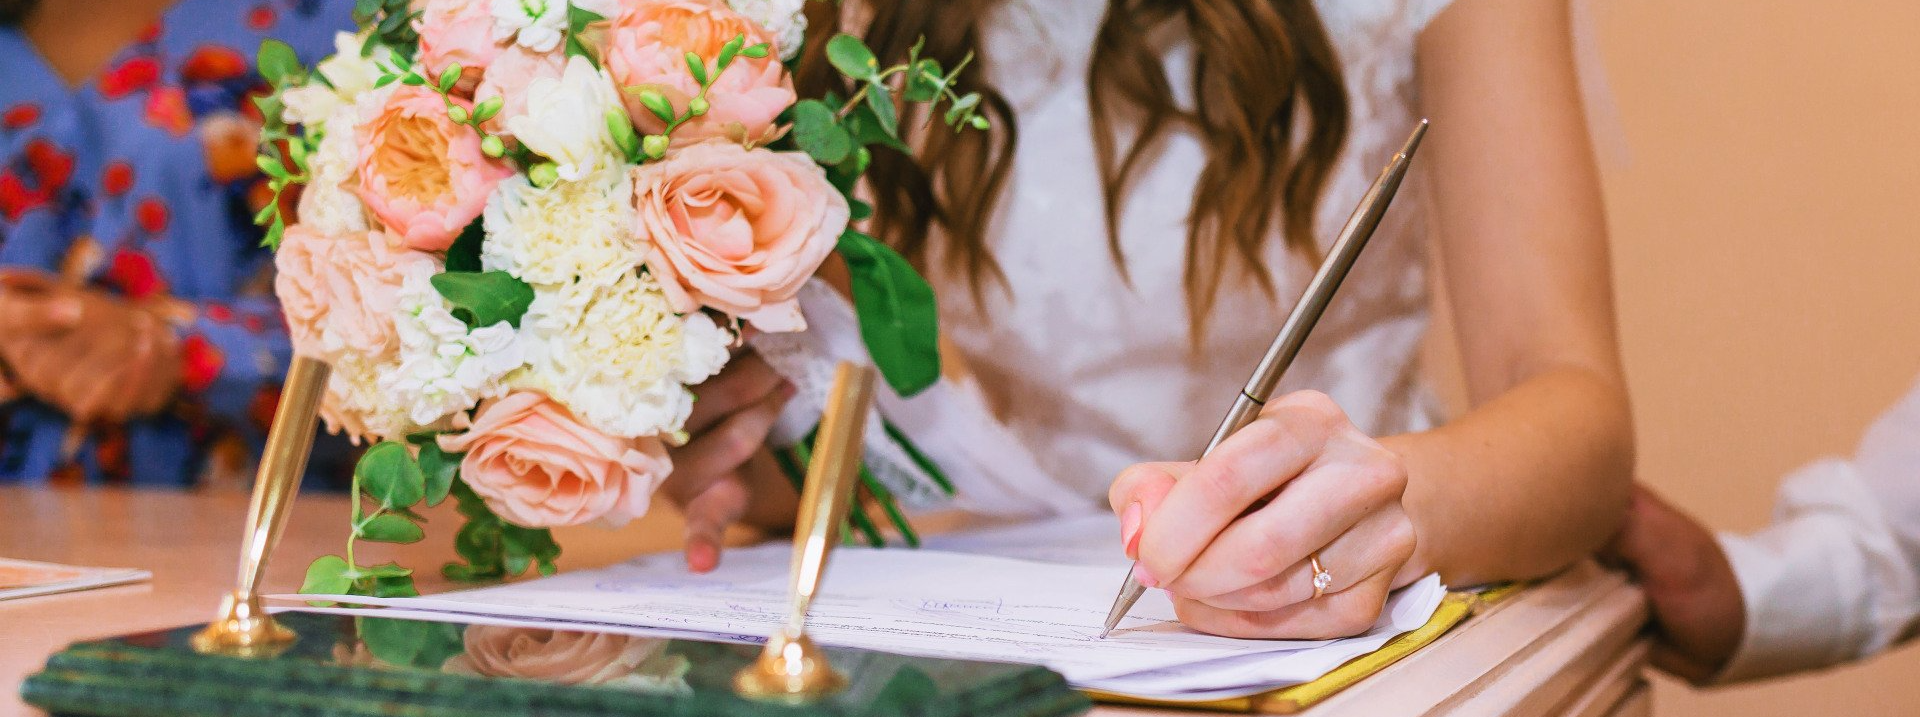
(938, 603)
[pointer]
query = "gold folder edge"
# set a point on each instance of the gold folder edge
(1454, 609)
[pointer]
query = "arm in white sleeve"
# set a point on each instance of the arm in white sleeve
(1836, 577)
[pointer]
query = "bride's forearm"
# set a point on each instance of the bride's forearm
(1523, 484)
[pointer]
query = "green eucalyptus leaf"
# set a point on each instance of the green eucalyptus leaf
(414, 79)
(880, 100)
(962, 108)
(485, 298)
(866, 129)
(898, 318)
(578, 18)
(859, 209)
(363, 10)
(410, 643)
(389, 475)
(389, 528)
(816, 133)
(925, 81)
(386, 570)
(277, 62)
(394, 587)
(852, 58)
(439, 467)
(326, 575)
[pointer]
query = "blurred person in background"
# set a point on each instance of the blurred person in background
(1835, 578)
(139, 338)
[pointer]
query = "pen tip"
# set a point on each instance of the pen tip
(1103, 634)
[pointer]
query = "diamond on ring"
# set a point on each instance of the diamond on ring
(1321, 578)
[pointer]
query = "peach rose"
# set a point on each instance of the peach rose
(509, 77)
(420, 173)
(457, 31)
(646, 47)
(537, 466)
(566, 657)
(738, 230)
(339, 293)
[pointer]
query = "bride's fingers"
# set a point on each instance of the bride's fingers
(1289, 435)
(708, 515)
(746, 379)
(1380, 542)
(1342, 614)
(723, 447)
(1137, 493)
(1325, 502)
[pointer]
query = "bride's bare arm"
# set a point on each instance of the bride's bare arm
(1538, 472)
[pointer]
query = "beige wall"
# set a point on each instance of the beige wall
(1763, 180)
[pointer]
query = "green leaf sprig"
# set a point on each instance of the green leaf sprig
(391, 22)
(654, 146)
(403, 70)
(387, 483)
(286, 167)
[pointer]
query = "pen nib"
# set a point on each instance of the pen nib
(1103, 633)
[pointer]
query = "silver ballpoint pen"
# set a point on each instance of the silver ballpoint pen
(1293, 334)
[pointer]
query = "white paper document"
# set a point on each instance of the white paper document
(1044, 604)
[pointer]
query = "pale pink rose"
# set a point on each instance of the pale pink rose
(646, 47)
(566, 657)
(537, 466)
(457, 31)
(509, 77)
(420, 173)
(737, 230)
(338, 293)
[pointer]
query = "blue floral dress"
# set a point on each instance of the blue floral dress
(142, 182)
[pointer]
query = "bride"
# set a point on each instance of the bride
(1114, 255)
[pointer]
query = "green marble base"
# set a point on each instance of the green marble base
(348, 667)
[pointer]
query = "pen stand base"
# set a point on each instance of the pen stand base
(367, 667)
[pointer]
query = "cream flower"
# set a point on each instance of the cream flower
(443, 367)
(537, 25)
(357, 406)
(328, 204)
(784, 20)
(566, 120)
(618, 356)
(571, 230)
(348, 76)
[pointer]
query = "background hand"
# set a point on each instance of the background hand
(1237, 564)
(86, 352)
(1697, 609)
(717, 472)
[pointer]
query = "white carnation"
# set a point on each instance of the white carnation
(566, 120)
(326, 204)
(571, 230)
(618, 356)
(443, 367)
(357, 406)
(538, 25)
(785, 20)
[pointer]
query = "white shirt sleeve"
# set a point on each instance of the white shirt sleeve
(1836, 577)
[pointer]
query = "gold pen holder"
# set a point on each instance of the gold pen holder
(792, 669)
(243, 628)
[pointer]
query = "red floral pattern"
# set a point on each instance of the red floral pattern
(116, 178)
(135, 275)
(262, 17)
(152, 215)
(130, 76)
(212, 63)
(21, 116)
(200, 363)
(167, 109)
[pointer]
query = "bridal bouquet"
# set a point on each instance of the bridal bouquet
(520, 230)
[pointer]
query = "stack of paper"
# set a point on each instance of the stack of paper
(1041, 600)
(26, 578)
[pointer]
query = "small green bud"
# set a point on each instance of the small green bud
(979, 122)
(654, 146)
(458, 114)
(492, 146)
(697, 106)
(543, 174)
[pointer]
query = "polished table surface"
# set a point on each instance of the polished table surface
(1536, 660)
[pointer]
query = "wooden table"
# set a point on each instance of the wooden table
(1566, 647)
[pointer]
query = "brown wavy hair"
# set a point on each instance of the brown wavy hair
(1259, 68)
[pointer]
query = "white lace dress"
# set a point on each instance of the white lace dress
(1089, 373)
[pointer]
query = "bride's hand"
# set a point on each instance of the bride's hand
(1238, 568)
(732, 415)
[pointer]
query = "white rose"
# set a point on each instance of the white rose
(537, 25)
(566, 119)
(348, 76)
